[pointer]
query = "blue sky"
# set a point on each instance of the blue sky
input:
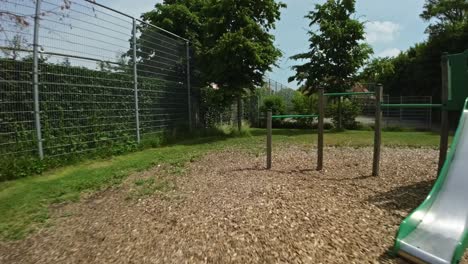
(391, 26)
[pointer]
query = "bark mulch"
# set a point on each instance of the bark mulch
(225, 208)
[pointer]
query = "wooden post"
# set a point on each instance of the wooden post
(320, 132)
(269, 138)
(239, 113)
(444, 127)
(378, 130)
(340, 113)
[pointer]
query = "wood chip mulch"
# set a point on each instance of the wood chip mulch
(227, 209)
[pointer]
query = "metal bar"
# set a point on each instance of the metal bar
(37, 113)
(189, 97)
(378, 131)
(108, 8)
(269, 138)
(135, 82)
(62, 55)
(348, 93)
(320, 144)
(412, 105)
(444, 127)
(293, 116)
(163, 30)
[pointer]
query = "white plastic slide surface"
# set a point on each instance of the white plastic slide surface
(436, 232)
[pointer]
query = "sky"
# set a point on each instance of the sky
(391, 27)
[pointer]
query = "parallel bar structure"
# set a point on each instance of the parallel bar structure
(37, 113)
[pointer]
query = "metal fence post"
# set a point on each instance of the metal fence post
(187, 44)
(37, 113)
(135, 82)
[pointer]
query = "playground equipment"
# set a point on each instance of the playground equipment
(436, 231)
(378, 95)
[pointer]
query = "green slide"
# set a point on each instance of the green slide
(436, 232)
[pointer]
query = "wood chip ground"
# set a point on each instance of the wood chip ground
(227, 209)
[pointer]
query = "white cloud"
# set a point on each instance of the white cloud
(382, 31)
(393, 52)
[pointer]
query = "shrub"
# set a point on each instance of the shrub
(349, 111)
(275, 103)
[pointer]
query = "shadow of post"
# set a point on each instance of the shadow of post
(404, 197)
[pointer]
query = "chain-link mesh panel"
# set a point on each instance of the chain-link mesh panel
(420, 118)
(161, 66)
(101, 75)
(17, 131)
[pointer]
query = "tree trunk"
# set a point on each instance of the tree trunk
(239, 113)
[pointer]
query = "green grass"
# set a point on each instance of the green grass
(24, 203)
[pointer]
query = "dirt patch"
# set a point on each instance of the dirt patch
(227, 208)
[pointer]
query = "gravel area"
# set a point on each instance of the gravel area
(225, 208)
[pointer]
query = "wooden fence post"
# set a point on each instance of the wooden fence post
(320, 129)
(378, 130)
(269, 138)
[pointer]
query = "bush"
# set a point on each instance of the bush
(349, 111)
(275, 103)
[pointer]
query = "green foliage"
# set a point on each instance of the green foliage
(336, 49)
(238, 46)
(377, 70)
(417, 72)
(287, 94)
(275, 103)
(231, 39)
(82, 115)
(443, 13)
(305, 104)
(349, 111)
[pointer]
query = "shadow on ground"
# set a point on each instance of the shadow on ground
(403, 198)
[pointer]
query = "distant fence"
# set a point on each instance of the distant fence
(76, 76)
(420, 118)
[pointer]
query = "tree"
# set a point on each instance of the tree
(231, 40)
(336, 50)
(378, 70)
(181, 17)
(274, 103)
(305, 105)
(15, 45)
(444, 12)
(238, 46)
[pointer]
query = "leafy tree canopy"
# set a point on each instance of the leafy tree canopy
(444, 12)
(231, 39)
(336, 50)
